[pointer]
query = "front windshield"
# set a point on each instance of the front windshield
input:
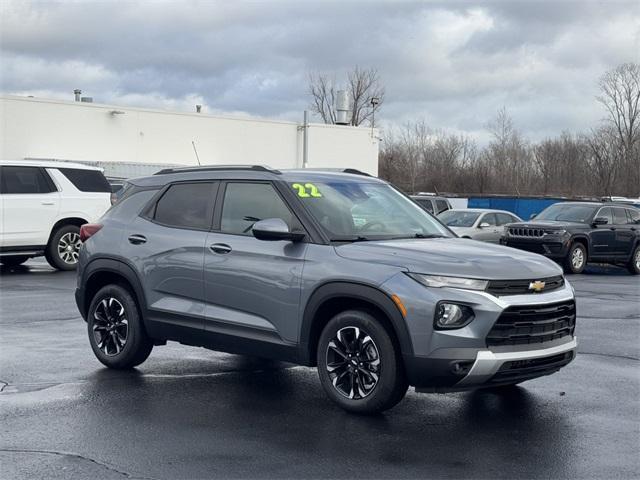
(352, 211)
(567, 213)
(453, 218)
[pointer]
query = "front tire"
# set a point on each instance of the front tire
(634, 262)
(116, 333)
(359, 366)
(13, 260)
(576, 259)
(64, 247)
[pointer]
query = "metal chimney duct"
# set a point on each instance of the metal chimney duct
(77, 92)
(342, 107)
(198, 108)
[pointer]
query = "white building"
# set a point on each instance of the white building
(128, 142)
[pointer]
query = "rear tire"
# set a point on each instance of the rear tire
(359, 366)
(13, 260)
(116, 333)
(576, 259)
(634, 262)
(63, 248)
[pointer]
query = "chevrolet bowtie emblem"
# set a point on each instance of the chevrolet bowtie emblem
(537, 286)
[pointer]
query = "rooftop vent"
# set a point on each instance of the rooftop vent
(77, 92)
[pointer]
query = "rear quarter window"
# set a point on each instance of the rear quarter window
(86, 180)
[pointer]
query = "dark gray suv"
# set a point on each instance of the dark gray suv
(328, 269)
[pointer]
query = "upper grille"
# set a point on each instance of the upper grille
(519, 287)
(526, 232)
(531, 324)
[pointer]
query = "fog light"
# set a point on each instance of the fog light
(452, 315)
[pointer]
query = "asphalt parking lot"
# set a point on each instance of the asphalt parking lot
(192, 413)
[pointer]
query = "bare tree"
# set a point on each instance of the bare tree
(620, 95)
(362, 86)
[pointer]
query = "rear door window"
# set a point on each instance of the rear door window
(634, 215)
(186, 205)
(504, 218)
(86, 180)
(426, 204)
(25, 180)
(441, 205)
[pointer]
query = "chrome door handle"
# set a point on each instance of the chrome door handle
(220, 248)
(47, 203)
(137, 239)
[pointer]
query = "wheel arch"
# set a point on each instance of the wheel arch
(584, 241)
(104, 271)
(77, 221)
(332, 298)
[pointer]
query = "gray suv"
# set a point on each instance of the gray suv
(328, 269)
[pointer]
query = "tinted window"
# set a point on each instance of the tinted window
(619, 216)
(186, 205)
(634, 215)
(246, 203)
(86, 180)
(426, 204)
(567, 213)
(605, 213)
(504, 218)
(441, 205)
(25, 180)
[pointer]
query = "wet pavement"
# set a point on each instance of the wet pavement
(191, 413)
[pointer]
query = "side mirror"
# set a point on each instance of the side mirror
(532, 216)
(484, 225)
(600, 221)
(275, 229)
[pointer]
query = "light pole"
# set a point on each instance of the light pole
(374, 102)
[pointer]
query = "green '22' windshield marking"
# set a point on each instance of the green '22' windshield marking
(307, 190)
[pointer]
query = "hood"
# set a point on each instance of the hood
(456, 257)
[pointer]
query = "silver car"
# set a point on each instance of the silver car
(477, 223)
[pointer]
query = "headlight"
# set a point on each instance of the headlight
(555, 232)
(452, 315)
(453, 282)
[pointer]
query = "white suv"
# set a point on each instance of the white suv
(43, 204)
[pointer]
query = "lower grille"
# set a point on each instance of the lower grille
(533, 324)
(519, 287)
(525, 369)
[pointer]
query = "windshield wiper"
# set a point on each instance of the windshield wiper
(419, 235)
(359, 238)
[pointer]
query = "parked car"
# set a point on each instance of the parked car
(576, 233)
(272, 263)
(43, 205)
(432, 203)
(477, 223)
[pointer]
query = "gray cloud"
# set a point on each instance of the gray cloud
(453, 63)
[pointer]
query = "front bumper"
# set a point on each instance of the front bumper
(488, 368)
(463, 359)
(555, 247)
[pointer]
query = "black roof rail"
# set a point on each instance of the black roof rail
(205, 168)
(352, 171)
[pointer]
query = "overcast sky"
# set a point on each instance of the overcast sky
(453, 64)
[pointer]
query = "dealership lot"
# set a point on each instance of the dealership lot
(188, 412)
